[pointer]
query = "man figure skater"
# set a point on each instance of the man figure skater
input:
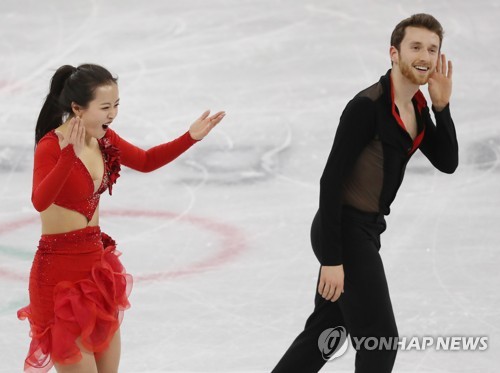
(379, 130)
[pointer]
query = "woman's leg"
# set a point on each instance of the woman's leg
(86, 365)
(108, 361)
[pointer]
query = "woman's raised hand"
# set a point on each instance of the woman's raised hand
(204, 124)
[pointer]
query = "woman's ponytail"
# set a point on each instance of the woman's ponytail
(50, 116)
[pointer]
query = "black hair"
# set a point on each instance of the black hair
(70, 84)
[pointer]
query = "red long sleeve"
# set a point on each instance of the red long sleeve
(56, 180)
(152, 159)
(51, 169)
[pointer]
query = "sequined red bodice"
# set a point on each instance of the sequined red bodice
(61, 178)
(74, 180)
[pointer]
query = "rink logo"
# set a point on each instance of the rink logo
(333, 342)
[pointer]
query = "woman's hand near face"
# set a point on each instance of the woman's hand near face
(75, 135)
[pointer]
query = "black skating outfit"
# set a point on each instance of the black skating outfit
(362, 176)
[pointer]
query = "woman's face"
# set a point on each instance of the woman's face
(101, 111)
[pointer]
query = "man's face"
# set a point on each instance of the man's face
(418, 55)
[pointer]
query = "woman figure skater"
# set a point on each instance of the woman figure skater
(78, 288)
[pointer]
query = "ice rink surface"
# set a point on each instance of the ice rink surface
(218, 241)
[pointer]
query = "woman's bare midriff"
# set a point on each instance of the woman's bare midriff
(57, 219)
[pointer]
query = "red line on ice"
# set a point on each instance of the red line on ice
(233, 243)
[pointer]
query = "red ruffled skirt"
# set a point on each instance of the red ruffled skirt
(78, 289)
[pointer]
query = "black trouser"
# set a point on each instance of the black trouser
(364, 308)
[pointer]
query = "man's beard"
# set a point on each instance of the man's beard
(408, 72)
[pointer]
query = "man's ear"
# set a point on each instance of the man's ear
(77, 109)
(394, 53)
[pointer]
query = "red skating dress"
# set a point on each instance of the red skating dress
(78, 288)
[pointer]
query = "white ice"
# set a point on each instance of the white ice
(218, 241)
